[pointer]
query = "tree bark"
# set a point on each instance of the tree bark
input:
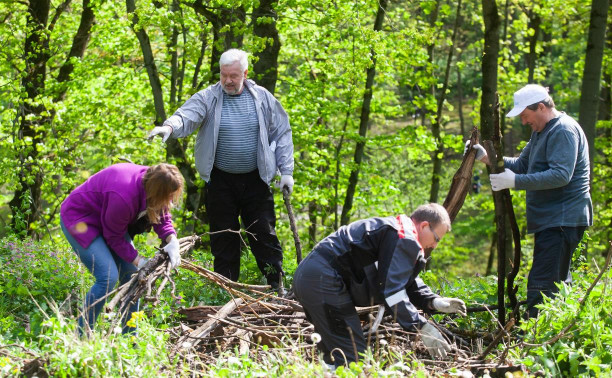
(462, 180)
(173, 52)
(26, 202)
(534, 23)
(589, 96)
(198, 65)
(363, 122)
(460, 97)
(79, 45)
(265, 69)
(149, 62)
(487, 120)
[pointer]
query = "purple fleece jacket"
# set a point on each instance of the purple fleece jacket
(106, 204)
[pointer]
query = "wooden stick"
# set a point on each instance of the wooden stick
(190, 341)
(293, 224)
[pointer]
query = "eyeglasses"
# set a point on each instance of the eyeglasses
(436, 237)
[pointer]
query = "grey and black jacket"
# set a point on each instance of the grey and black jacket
(202, 112)
(379, 260)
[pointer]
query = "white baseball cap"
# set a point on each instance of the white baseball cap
(528, 95)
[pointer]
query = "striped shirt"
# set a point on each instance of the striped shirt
(238, 134)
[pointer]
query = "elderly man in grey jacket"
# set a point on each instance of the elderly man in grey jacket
(243, 139)
(554, 170)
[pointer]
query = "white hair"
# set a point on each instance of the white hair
(234, 55)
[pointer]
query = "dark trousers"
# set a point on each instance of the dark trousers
(229, 196)
(552, 257)
(329, 307)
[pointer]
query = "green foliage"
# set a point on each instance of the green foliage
(66, 355)
(326, 51)
(583, 349)
(33, 274)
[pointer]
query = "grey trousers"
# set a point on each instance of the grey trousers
(328, 306)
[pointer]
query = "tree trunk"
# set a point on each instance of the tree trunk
(435, 128)
(26, 202)
(149, 62)
(487, 121)
(534, 23)
(589, 96)
(492, 250)
(363, 122)
(79, 45)
(173, 52)
(198, 66)
(265, 69)
(460, 97)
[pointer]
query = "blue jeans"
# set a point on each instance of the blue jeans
(552, 258)
(107, 268)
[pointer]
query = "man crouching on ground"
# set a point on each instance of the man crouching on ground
(373, 261)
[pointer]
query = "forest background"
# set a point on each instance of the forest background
(381, 96)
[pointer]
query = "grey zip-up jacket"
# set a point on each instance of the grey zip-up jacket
(554, 170)
(202, 112)
(379, 260)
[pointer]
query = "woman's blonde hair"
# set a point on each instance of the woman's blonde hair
(164, 186)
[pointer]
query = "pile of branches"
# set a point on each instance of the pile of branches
(256, 316)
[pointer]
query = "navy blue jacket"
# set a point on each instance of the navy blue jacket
(379, 260)
(554, 170)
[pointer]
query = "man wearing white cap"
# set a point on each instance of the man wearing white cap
(554, 170)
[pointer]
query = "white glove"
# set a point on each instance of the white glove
(504, 180)
(449, 305)
(173, 251)
(165, 131)
(434, 342)
(481, 153)
(141, 262)
(286, 180)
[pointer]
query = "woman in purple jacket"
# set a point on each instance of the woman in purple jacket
(96, 217)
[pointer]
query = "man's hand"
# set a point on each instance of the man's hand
(173, 251)
(140, 261)
(286, 181)
(434, 342)
(481, 153)
(504, 180)
(449, 305)
(164, 131)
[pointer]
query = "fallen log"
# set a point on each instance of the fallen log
(462, 180)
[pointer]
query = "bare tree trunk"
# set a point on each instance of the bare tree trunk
(198, 66)
(265, 69)
(79, 45)
(492, 250)
(534, 23)
(312, 227)
(363, 122)
(460, 96)
(173, 52)
(487, 119)
(26, 202)
(435, 128)
(149, 62)
(589, 96)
